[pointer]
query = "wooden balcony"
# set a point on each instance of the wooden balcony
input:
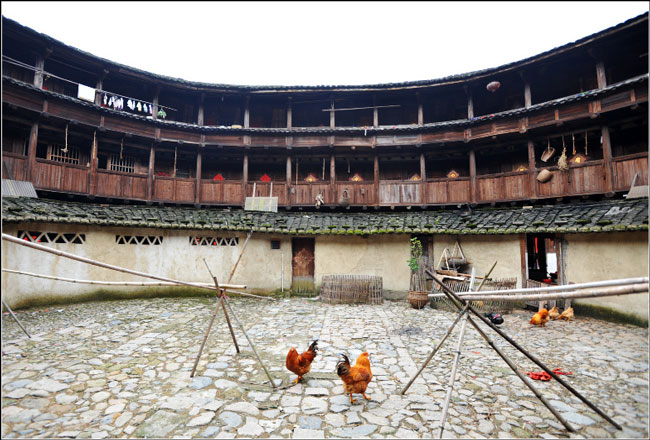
(443, 191)
(503, 187)
(56, 176)
(222, 192)
(304, 193)
(121, 185)
(174, 189)
(400, 193)
(16, 164)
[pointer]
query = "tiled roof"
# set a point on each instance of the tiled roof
(580, 217)
(413, 128)
(248, 88)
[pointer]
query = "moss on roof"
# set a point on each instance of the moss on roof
(603, 216)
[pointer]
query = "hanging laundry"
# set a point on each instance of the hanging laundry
(130, 104)
(139, 107)
(144, 106)
(105, 99)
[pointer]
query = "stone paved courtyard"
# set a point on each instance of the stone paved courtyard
(122, 369)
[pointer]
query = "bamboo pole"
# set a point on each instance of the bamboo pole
(606, 283)
(15, 317)
(454, 368)
(240, 255)
(435, 350)
(249, 341)
(448, 331)
(592, 293)
(221, 295)
(120, 283)
(459, 301)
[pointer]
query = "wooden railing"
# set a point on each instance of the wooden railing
(222, 192)
(305, 193)
(263, 189)
(360, 193)
(399, 193)
(16, 165)
(441, 191)
(121, 185)
(60, 177)
(625, 167)
(174, 189)
(508, 186)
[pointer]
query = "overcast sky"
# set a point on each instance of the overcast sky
(317, 43)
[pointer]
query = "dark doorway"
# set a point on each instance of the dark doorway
(302, 263)
(544, 256)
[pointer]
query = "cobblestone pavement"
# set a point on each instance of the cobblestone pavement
(122, 369)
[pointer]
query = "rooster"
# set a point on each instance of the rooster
(554, 313)
(355, 379)
(540, 318)
(567, 314)
(300, 364)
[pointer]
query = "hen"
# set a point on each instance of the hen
(300, 364)
(540, 318)
(554, 313)
(567, 314)
(355, 379)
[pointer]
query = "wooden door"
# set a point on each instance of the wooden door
(302, 263)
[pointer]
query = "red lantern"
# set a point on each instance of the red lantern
(493, 86)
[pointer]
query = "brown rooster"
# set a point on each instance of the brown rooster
(355, 379)
(300, 364)
(540, 318)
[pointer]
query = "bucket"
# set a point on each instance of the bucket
(418, 299)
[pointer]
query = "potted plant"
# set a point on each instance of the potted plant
(418, 296)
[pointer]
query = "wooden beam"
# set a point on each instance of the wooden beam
(150, 173)
(524, 260)
(332, 117)
(200, 115)
(532, 182)
(333, 175)
(472, 175)
(38, 72)
(470, 106)
(423, 177)
(92, 182)
(376, 178)
(601, 75)
(31, 152)
(197, 192)
(245, 177)
(375, 112)
(528, 100)
(607, 160)
(289, 172)
(420, 110)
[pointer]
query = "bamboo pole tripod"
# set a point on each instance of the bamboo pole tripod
(222, 303)
(464, 306)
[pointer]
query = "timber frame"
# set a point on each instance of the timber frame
(424, 144)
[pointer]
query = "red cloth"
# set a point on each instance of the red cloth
(543, 375)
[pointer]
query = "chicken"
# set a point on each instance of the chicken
(553, 313)
(300, 364)
(567, 314)
(355, 379)
(540, 318)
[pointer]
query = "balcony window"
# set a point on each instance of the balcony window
(59, 153)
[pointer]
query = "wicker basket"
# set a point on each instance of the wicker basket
(418, 299)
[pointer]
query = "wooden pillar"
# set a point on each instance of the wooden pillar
(245, 176)
(420, 110)
(289, 114)
(155, 102)
(31, 152)
(528, 100)
(600, 75)
(375, 112)
(532, 181)
(150, 173)
(247, 111)
(332, 112)
(199, 117)
(376, 178)
(470, 106)
(197, 193)
(92, 184)
(288, 171)
(472, 176)
(38, 72)
(524, 260)
(333, 177)
(607, 161)
(423, 177)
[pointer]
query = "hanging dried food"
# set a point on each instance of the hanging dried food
(493, 86)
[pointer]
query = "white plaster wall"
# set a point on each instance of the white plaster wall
(384, 256)
(260, 267)
(482, 251)
(605, 256)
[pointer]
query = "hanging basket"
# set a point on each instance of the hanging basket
(547, 154)
(418, 299)
(544, 175)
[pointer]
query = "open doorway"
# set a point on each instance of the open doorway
(544, 264)
(302, 264)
